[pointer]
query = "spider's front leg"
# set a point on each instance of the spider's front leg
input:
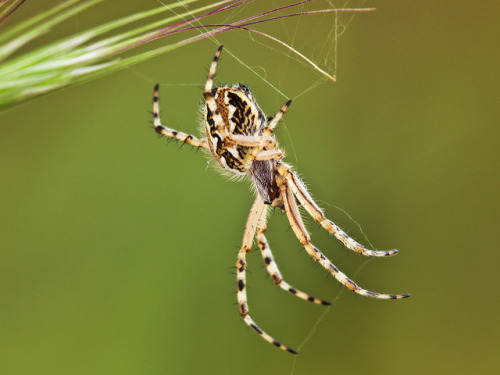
(171, 133)
(209, 95)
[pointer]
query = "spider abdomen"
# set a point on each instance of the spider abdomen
(238, 113)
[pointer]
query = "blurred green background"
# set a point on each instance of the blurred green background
(117, 249)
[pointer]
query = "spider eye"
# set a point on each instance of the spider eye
(244, 88)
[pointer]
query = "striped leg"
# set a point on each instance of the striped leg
(255, 213)
(295, 220)
(272, 267)
(167, 132)
(209, 96)
(241, 140)
(300, 191)
(268, 131)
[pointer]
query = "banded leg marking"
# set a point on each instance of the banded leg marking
(298, 227)
(300, 191)
(272, 267)
(255, 213)
(171, 133)
(210, 80)
(268, 131)
(209, 97)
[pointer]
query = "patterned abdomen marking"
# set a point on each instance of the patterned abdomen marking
(238, 114)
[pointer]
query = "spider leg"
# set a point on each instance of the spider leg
(207, 93)
(272, 267)
(209, 96)
(268, 131)
(255, 213)
(298, 227)
(243, 140)
(300, 191)
(270, 155)
(163, 130)
(255, 141)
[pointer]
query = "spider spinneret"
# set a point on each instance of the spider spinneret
(240, 138)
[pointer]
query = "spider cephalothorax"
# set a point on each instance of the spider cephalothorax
(240, 138)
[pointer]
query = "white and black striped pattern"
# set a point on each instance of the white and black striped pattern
(268, 132)
(272, 267)
(258, 209)
(300, 231)
(171, 133)
(300, 191)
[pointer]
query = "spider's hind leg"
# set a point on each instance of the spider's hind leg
(272, 267)
(255, 213)
(299, 190)
(300, 231)
(171, 133)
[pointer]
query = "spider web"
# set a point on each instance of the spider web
(337, 295)
(316, 36)
(296, 32)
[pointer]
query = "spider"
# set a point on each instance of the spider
(240, 139)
